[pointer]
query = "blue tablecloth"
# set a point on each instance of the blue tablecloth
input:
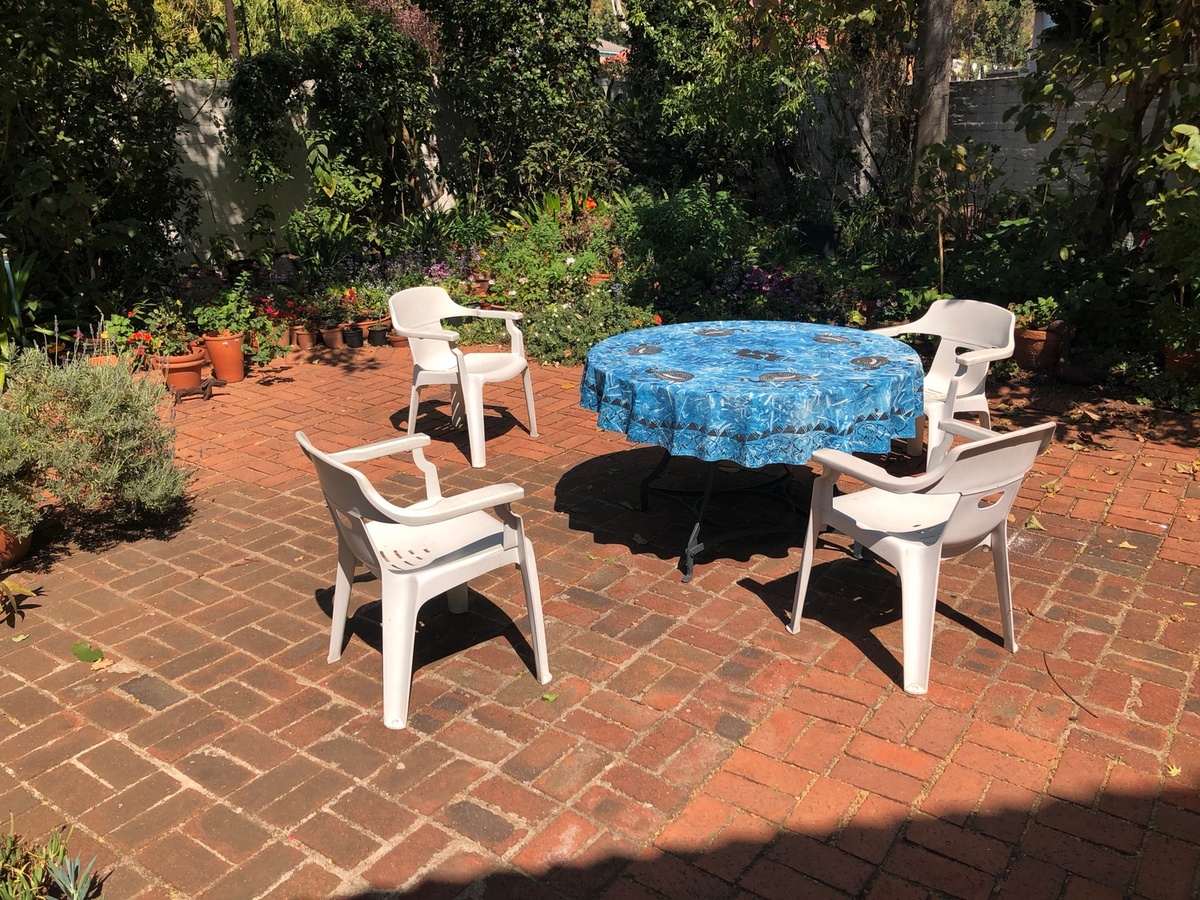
(755, 392)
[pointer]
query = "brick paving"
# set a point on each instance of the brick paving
(688, 745)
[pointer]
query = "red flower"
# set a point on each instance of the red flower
(589, 204)
(657, 319)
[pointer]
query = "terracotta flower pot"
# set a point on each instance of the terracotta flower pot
(182, 371)
(225, 351)
(598, 278)
(1036, 350)
(1176, 360)
(13, 549)
(397, 340)
(332, 337)
(304, 339)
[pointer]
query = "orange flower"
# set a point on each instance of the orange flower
(589, 204)
(657, 319)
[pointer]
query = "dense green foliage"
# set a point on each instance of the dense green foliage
(88, 176)
(521, 111)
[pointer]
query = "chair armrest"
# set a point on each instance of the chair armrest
(510, 314)
(869, 473)
(965, 429)
(986, 355)
(404, 444)
(442, 335)
(444, 508)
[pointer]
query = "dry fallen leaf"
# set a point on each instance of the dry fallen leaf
(101, 664)
(1125, 545)
(1174, 771)
(1033, 524)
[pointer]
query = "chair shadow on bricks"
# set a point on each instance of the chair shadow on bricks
(433, 419)
(603, 496)
(857, 599)
(440, 633)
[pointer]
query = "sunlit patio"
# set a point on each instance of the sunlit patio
(687, 746)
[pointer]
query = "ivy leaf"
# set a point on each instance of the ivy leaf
(85, 652)
(1174, 771)
(549, 698)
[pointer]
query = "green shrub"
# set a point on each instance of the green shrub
(90, 438)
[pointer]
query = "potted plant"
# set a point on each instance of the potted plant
(1039, 334)
(330, 318)
(168, 337)
(224, 323)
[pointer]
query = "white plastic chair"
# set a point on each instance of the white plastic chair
(417, 314)
(419, 552)
(914, 523)
(956, 380)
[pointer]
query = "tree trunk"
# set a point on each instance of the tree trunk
(931, 77)
(231, 27)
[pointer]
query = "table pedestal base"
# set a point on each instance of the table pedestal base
(774, 489)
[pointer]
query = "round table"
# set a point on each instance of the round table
(755, 393)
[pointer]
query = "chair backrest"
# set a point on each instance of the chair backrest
(964, 324)
(350, 499)
(987, 474)
(422, 309)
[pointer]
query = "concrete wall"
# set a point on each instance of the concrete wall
(226, 199)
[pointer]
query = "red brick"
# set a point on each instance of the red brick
(757, 799)
(872, 830)
(899, 758)
(768, 772)
(938, 873)
(400, 864)
(822, 809)
(955, 794)
(696, 825)
(558, 843)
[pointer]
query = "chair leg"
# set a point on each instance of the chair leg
(456, 597)
(999, 547)
(399, 635)
(472, 401)
(342, 583)
(533, 432)
(414, 400)
(806, 561)
(533, 605)
(918, 572)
